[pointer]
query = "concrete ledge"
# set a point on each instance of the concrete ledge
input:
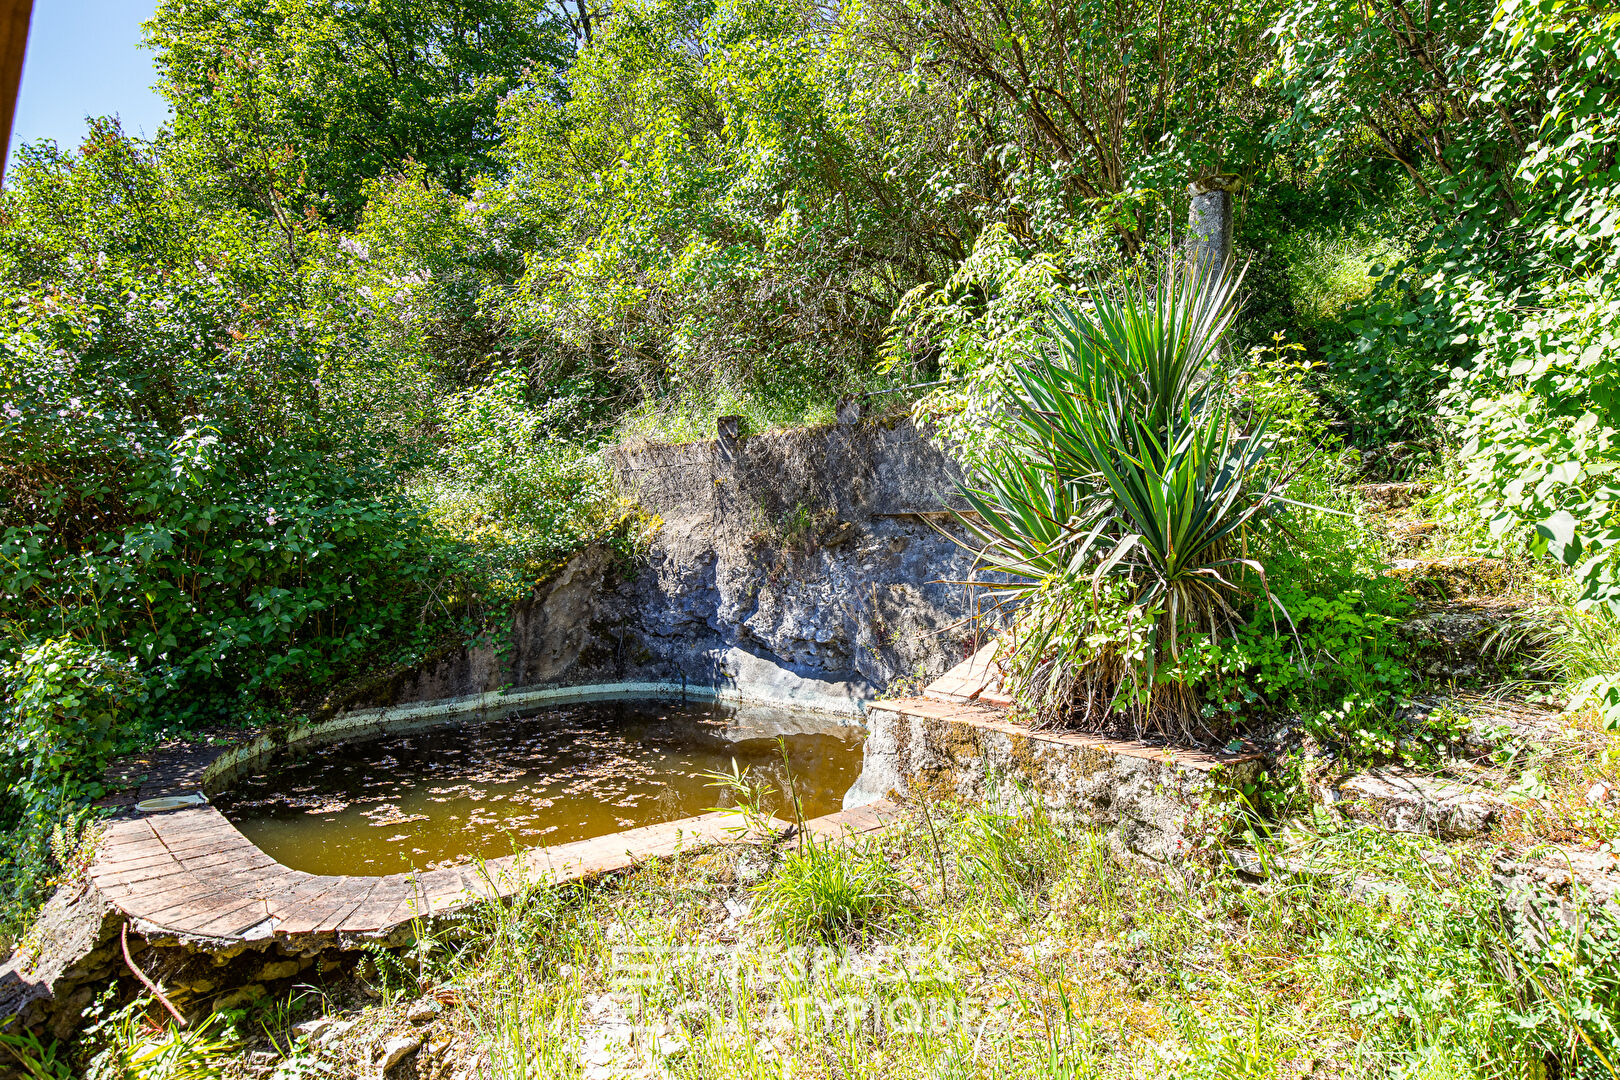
(363, 723)
(921, 748)
(189, 876)
(211, 769)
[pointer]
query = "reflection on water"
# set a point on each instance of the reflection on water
(432, 798)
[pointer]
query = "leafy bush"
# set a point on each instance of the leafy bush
(691, 194)
(301, 104)
(63, 715)
(411, 285)
(1503, 310)
(500, 468)
(976, 327)
(61, 702)
(1271, 385)
(232, 552)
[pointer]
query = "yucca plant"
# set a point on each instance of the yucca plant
(1119, 504)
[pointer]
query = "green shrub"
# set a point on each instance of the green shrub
(1499, 324)
(60, 705)
(178, 496)
(977, 326)
(502, 475)
(1271, 384)
(63, 706)
(1123, 461)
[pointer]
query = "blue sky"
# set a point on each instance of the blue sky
(84, 60)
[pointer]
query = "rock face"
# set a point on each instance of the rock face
(1452, 577)
(1385, 498)
(54, 973)
(799, 563)
(1462, 638)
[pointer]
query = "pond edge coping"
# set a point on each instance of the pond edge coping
(389, 718)
(191, 877)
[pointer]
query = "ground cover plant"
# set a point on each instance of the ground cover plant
(1006, 943)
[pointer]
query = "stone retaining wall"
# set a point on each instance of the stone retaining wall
(922, 748)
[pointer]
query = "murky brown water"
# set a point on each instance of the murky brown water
(432, 798)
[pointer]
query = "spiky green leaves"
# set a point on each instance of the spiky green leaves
(1123, 462)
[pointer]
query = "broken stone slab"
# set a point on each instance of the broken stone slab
(324, 1031)
(314, 1029)
(282, 969)
(978, 678)
(1496, 724)
(1457, 639)
(1404, 802)
(1452, 577)
(1556, 884)
(1538, 888)
(1263, 867)
(398, 1048)
(1572, 873)
(1391, 496)
(241, 996)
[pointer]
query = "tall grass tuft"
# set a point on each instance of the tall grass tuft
(1578, 648)
(831, 894)
(1011, 850)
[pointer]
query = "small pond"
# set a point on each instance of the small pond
(430, 798)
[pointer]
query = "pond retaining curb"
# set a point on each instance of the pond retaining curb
(188, 876)
(211, 911)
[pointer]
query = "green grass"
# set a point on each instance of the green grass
(691, 417)
(1328, 272)
(996, 945)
